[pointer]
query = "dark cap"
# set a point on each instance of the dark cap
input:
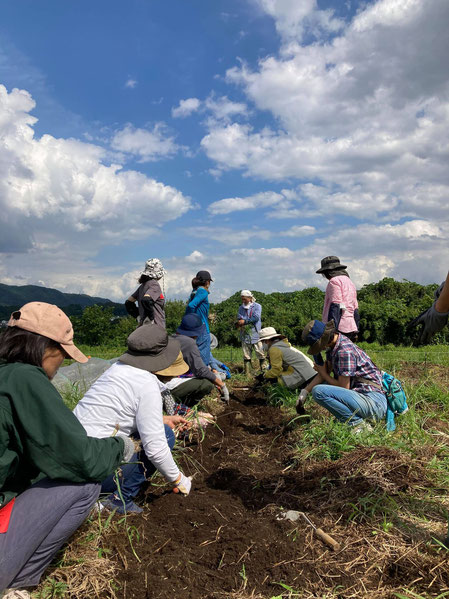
(191, 326)
(204, 274)
(330, 263)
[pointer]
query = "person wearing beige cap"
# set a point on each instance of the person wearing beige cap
(41, 440)
(127, 397)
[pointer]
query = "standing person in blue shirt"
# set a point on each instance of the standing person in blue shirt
(199, 304)
(249, 322)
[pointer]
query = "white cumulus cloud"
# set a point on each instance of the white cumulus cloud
(57, 191)
(146, 145)
(186, 108)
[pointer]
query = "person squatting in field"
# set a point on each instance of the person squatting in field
(249, 323)
(50, 469)
(127, 397)
(198, 303)
(354, 394)
(199, 381)
(340, 299)
(288, 366)
(149, 296)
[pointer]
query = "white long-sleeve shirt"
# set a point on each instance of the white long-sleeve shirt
(131, 398)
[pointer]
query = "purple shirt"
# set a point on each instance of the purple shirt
(349, 360)
(341, 290)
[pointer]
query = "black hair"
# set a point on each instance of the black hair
(198, 282)
(18, 345)
(143, 279)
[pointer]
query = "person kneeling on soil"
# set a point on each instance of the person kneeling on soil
(354, 394)
(50, 469)
(127, 398)
(190, 388)
(288, 366)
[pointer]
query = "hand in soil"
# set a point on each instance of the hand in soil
(184, 485)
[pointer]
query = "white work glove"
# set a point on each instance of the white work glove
(224, 394)
(130, 448)
(183, 485)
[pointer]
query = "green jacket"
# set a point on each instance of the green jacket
(39, 435)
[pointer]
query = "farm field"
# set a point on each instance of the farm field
(382, 496)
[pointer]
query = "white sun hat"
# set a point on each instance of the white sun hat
(269, 333)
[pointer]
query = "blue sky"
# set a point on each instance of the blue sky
(249, 137)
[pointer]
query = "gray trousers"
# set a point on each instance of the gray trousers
(43, 518)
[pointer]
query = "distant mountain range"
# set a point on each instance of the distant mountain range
(13, 297)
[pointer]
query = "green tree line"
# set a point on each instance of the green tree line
(385, 310)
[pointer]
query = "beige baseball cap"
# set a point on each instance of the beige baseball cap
(49, 321)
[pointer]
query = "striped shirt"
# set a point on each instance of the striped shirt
(348, 359)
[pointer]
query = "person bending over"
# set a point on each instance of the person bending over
(288, 366)
(199, 380)
(50, 469)
(354, 394)
(127, 398)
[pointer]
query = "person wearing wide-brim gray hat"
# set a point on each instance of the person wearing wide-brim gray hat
(150, 348)
(330, 263)
(289, 366)
(127, 399)
(340, 300)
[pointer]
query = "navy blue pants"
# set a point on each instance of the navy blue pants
(135, 473)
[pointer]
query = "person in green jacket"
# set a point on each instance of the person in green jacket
(50, 469)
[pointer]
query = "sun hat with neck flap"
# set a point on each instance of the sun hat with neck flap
(49, 321)
(150, 348)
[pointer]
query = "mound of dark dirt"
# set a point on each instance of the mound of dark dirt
(225, 540)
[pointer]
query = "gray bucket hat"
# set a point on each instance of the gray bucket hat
(330, 263)
(150, 348)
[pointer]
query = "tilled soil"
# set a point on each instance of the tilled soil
(225, 538)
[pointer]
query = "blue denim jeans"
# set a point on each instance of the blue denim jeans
(351, 406)
(203, 343)
(134, 474)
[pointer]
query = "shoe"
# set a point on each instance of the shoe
(112, 504)
(247, 367)
(363, 427)
(15, 594)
